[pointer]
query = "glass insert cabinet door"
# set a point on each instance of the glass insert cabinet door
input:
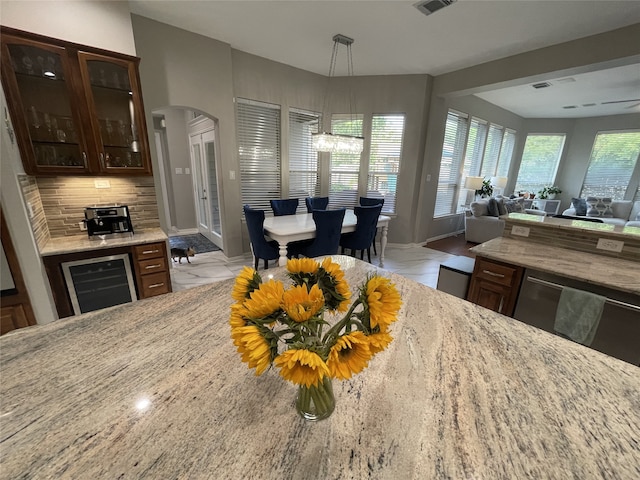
(109, 86)
(44, 85)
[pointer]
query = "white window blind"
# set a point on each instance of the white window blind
(345, 167)
(258, 131)
(303, 160)
(455, 136)
(540, 160)
(506, 153)
(492, 151)
(613, 159)
(475, 147)
(384, 160)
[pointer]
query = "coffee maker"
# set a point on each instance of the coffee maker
(110, 220)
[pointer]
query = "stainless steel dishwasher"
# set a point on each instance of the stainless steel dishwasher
(618, 333)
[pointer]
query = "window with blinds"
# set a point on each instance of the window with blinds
(506, 153)
(384, 161)
(455, 136)
(475, 146)
(540, 160)
(492, 151)
(345, 167)
(614, 158)
(303, 160)
(258, 131)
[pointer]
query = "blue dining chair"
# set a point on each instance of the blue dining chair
(262, 249)
(362, 238)
(316, 203)
(367, 202)
(287, 206)
(327, 240)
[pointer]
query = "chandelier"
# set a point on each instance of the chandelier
(337, 143)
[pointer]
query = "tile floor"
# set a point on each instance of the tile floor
(416, 262)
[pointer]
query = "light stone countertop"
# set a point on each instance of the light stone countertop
(577, 225)
(82, 243)
(616, 273)
(462, 392)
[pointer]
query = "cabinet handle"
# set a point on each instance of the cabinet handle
(84, 158)
(147, 252)
(157, 265)
(156, 285)
(102, 159)
(493, 274)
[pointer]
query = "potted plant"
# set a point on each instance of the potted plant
(486, 190)
(549, 193)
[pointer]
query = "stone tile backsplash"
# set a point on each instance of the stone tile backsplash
(64, 199)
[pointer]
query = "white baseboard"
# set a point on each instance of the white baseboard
(446, 235)
(184, 231)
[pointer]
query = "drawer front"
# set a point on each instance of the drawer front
(495, 273)
(152, 265)
(149, 250)
(155, 284)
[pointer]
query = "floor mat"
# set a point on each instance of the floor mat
(199, 242)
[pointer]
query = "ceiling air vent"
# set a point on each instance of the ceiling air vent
(541, 85)
(567, 107)
(432, 6)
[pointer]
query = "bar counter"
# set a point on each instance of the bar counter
(156, 389)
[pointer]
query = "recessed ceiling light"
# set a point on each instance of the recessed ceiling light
(566, 80)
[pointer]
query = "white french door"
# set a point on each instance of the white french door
(205, 179)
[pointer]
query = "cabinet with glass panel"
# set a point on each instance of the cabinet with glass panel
(75, 109)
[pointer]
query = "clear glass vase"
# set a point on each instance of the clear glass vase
(316, 402)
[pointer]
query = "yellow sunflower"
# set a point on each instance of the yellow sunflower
(238, 312)
(265, 300)
(246, 282)
(341, 287)
(379, 341)
(382, 300)
(302, 265)
(301, 304)
(253, 347)
(349, 355)
(301, 367)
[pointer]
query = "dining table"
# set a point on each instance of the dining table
(285, 229)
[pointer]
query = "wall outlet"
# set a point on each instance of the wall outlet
(83, 226)
(102, 183)
(610, 245)
(232, 174)
(520, 231)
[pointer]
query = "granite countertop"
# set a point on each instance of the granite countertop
(592, 268)
(574, 225)
(462, 392)
(82, 243)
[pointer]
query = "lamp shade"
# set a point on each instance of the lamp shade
(499, 182)
(473, 183)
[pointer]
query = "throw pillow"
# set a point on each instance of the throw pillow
(502, 210)
(492, 208)
(515, 205)
(580, 204)
(479, 208)
(599, 207)
(608, 212)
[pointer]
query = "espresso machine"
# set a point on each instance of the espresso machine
(110, 220)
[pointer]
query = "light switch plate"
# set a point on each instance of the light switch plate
(610, 245)
(178, 171)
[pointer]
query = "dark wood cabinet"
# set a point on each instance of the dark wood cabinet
(76, 110)
(150, 269)
(495, 285)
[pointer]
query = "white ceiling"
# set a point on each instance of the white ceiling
(393, 37)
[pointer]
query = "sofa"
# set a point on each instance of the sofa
(485, 218)
(617, 212)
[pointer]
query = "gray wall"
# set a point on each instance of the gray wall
(183, 69)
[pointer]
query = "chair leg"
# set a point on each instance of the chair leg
(369, 254)
(362, 254)
(255, 264)
(374, 242)
(266, 264)
(341, 250)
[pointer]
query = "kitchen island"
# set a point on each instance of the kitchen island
(155, 389)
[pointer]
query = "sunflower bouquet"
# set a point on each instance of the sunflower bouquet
(287, 328)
